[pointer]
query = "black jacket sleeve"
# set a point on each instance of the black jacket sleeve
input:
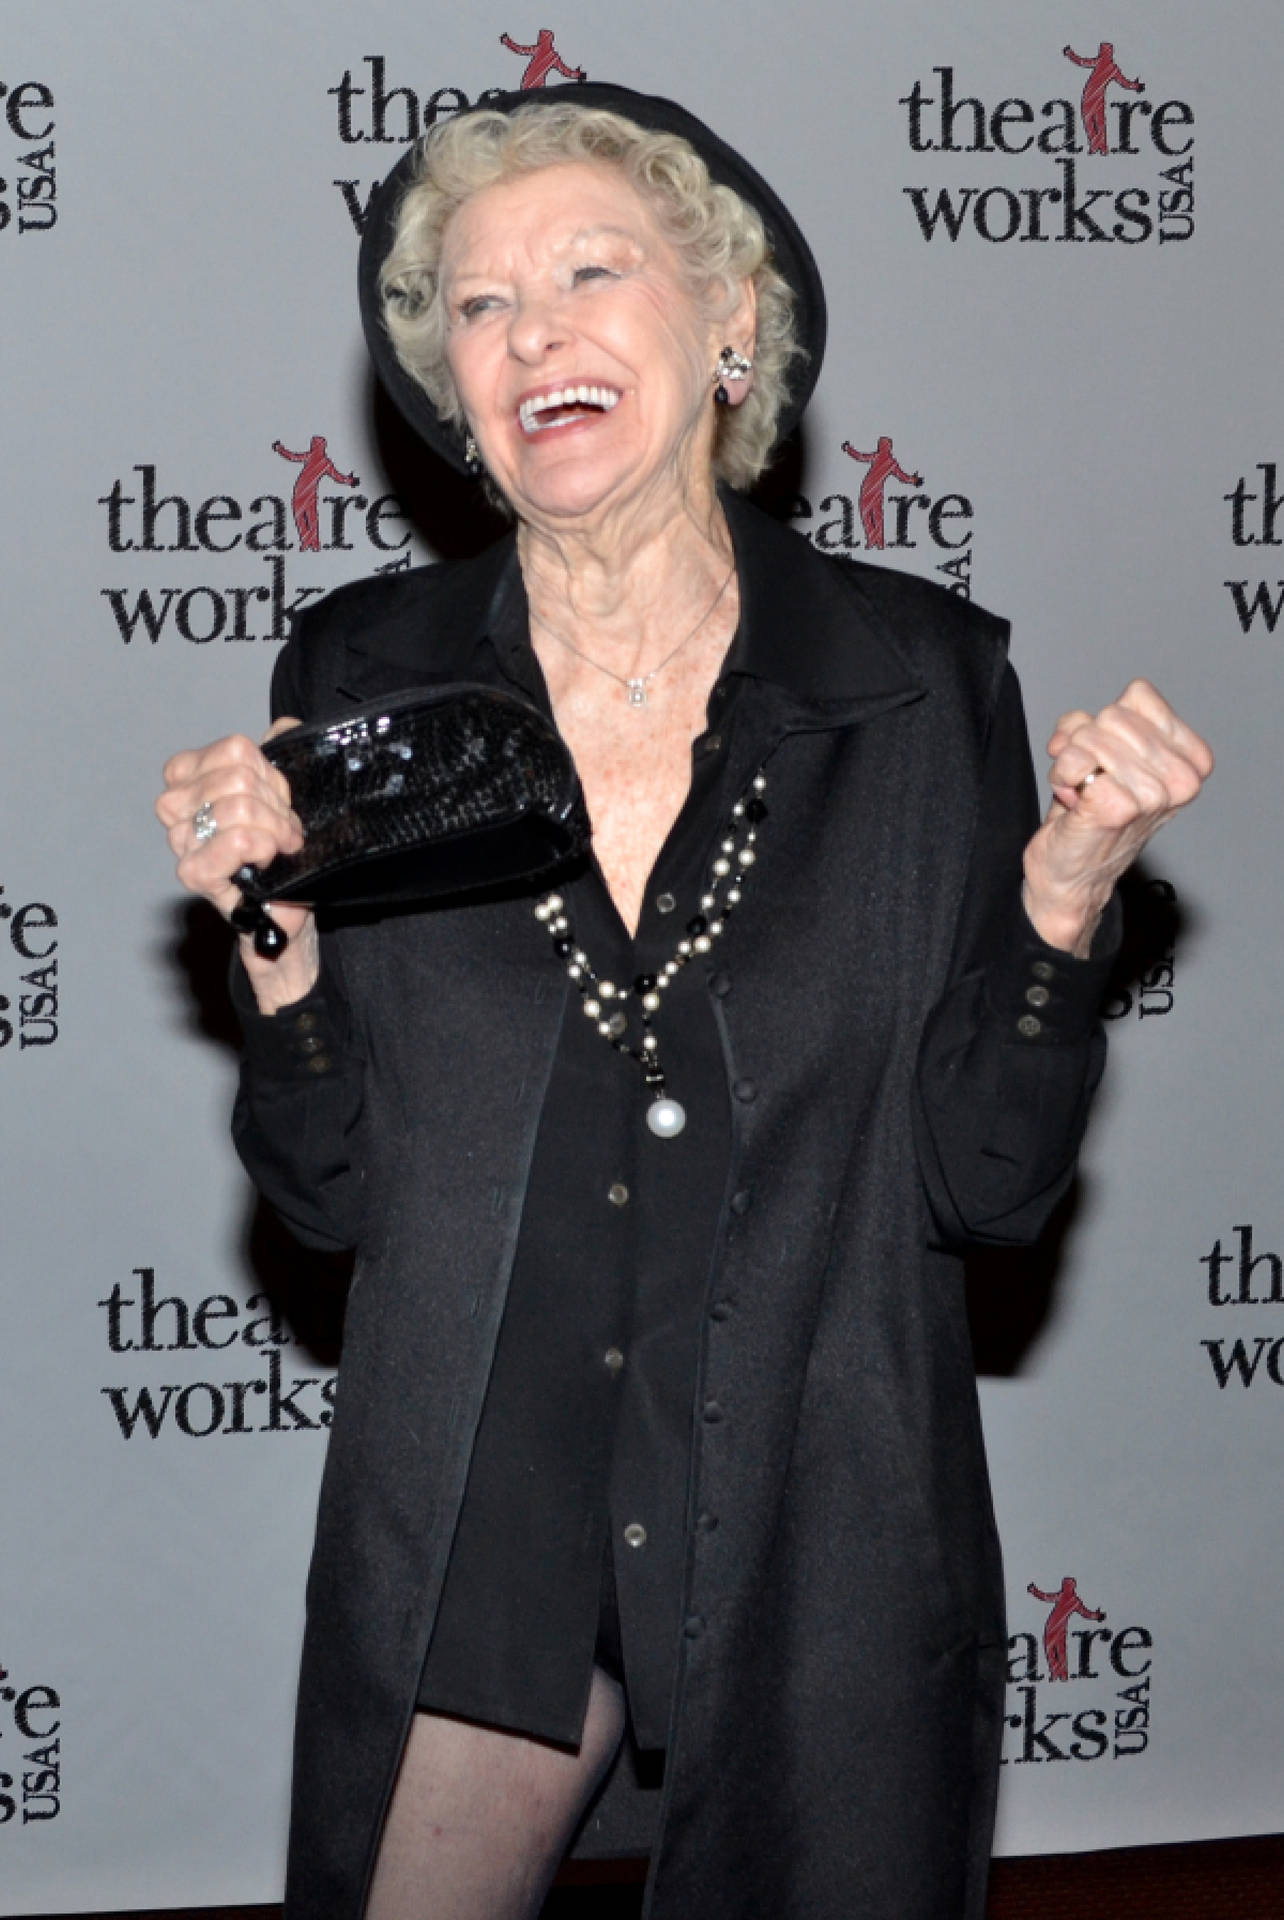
(1014, 1049)
(296, 1122)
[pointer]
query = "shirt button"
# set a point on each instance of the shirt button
(1043, 970)
(712, 1412)
(720, 985)
(306, 1023)
(635, 1534)
(742, 1201)
(1037, 996)
(311, 1043)
(746, 1090)
(1028, 1027)
(665, 903)
(613, 1359)
(618, 1194)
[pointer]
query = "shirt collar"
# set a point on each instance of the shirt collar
(806, 626)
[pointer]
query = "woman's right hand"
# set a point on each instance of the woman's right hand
(249, 802)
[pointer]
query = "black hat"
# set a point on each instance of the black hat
(790, 252)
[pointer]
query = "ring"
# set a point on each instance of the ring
(204, 825)
(1088, 779)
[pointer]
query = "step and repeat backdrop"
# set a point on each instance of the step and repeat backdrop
(1050, 239)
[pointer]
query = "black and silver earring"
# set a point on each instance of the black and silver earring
(472, 456)
(732, 366)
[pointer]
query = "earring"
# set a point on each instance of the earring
(731, 366)
(472, 456)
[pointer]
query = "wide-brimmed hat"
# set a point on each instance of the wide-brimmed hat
(791, 255)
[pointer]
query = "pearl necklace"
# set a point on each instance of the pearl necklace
(608, 1005)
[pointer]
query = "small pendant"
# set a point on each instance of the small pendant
(637, 692)
(666, 1117)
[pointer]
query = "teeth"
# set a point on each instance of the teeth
(584, 396)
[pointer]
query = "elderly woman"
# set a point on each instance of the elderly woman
(656, 1460)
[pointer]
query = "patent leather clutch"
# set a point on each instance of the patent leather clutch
(429, 793)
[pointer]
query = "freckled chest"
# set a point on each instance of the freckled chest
(634, 764)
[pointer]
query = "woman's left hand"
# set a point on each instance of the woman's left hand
(1117, 776)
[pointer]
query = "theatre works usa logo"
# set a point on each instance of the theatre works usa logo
(374, 110)
(29, 991)
(1256, 504)
(1244, 1274)
(28, 175)
(1115, 165)
(323, 510)
(1076, 1692)
(149, 1329)
(879, 517)
(30, 1750)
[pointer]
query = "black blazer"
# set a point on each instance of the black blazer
(834, 1742)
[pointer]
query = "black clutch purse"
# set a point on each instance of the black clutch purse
(437, 791)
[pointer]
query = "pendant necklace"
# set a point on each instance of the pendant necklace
(610, 1007)
(635, 685)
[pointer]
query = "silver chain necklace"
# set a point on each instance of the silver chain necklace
(635, 685)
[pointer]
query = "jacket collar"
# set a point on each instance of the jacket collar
(806, 625)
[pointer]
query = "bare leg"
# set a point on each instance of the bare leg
(480, 1819)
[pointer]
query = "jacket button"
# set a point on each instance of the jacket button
(618, 1194)
(693, 1626)
(720, 984)
(742, 1201)
(712, 1412)
(306, 1023)
(1037, 996)
(1029, 1027)
(613, 1360)
(635, 1534)
(720, 1310)
(707, 1523)
(1043, 970)
(745, 1090)
(319, 1063)
(665, 903)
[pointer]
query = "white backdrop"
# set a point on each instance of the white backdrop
(1089, 390)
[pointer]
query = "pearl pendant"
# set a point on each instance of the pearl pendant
(666, 1118)
(637, 692)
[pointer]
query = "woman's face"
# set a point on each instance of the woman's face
(582, 362)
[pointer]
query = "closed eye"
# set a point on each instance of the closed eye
(592, 273)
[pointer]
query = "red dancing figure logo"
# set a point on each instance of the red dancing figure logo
(317, 466)
(1065, 1603)
(1104, 71)
(544, 59)
(882, 468)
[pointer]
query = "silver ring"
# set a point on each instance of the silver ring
(204, 825)
(1088, 779)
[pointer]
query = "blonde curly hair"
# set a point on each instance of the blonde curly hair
(717, 237)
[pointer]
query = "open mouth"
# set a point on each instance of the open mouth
(561, 405)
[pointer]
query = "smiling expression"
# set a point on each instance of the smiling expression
(582, 361)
